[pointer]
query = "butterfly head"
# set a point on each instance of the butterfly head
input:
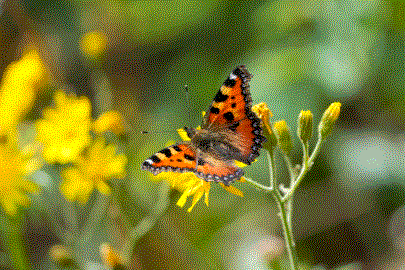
(190, 132)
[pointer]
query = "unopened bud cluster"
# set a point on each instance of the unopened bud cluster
(279, 133)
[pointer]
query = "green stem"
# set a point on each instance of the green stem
(96, 215)
(306, 166)
(290, 168)
(285, 217)
(285, 210)
(11, 231)
(260, 186)
(147, 222)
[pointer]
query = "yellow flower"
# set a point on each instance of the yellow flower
(192, 186)
(93, 44)
(264, 113)
(91, 170)
(64, 130)
(14, 186)
(18, 89)
(110, 121)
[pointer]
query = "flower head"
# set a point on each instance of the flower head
(192, 186)
(264, 113)
(93, 44)
(64, 129)
(61, 255)
(92, 170)
(18, 89)
(14, 185)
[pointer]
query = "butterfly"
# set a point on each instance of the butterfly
(230, 131)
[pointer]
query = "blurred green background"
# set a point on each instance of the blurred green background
(304, 55)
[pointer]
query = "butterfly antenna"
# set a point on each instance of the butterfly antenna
(188, 102)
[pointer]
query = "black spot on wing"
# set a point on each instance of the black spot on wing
(188, 157)
(166, 152)
(234, 126)
(233, 105)
(229, 116)
(219, 97)
(155, 159)
(214, 110)
(175, 147)
(229, 82)
(201, 162)
(237, 71)
(179, 160)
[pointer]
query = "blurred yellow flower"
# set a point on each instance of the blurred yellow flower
(64, 129)
(92, 170)
(93, 44)
(110, 257)
(18, 89)
(110, 121)
(14, 185)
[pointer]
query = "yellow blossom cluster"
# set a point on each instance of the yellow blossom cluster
(64, 132)
(20, 83)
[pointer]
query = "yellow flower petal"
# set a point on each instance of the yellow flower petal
(232, 189)
(196, 198)
(183, 134)
(14, 186)
(110, 121)
(103, 188)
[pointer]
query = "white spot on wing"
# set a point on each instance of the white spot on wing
(232, 76)
(149, 161)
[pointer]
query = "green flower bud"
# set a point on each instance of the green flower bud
(304, 131)
(328, 119)
(283, 136)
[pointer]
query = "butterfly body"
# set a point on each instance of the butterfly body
(230, 131)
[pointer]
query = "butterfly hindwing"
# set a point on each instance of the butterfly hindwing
(216, 170)
(246, 136)
(178, 158)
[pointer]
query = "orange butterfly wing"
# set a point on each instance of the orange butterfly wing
(231, 114)
(177, 158)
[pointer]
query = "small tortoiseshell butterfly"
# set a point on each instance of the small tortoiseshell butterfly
(230, 131)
